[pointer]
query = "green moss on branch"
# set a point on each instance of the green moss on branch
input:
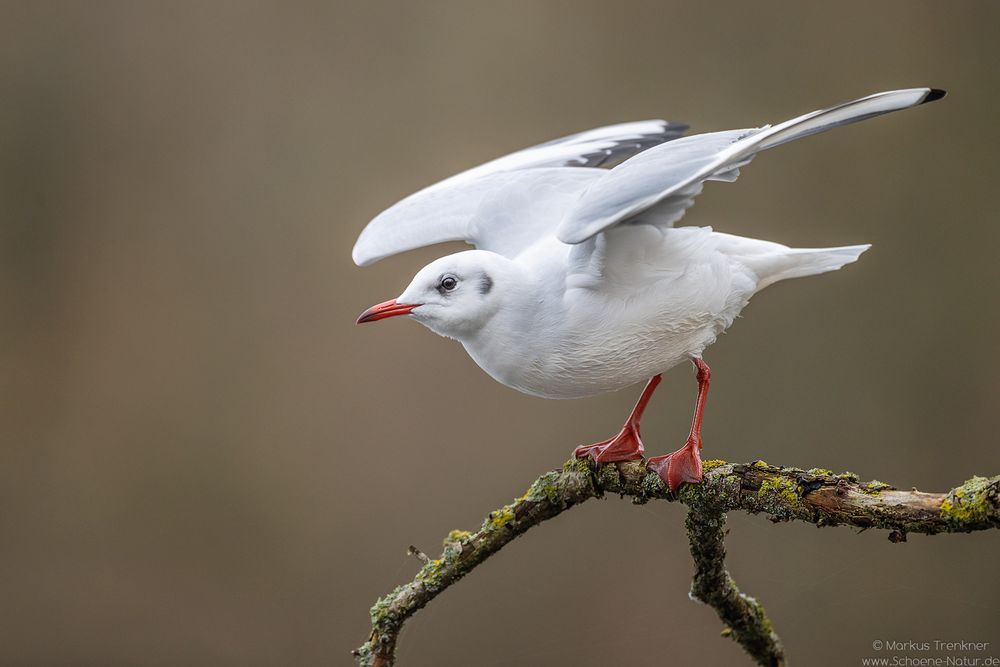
(816, 495)
(973, 506)
(744, 618)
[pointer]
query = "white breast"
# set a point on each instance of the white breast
(621, 330)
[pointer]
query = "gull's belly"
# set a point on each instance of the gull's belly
(587, 358)
(595, 364)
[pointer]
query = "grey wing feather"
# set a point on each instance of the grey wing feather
(638, 188)
(658, 185)
(450, 209)
(600, 147)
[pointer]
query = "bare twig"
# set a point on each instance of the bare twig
(817, 496)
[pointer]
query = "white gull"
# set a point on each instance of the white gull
(581, 283)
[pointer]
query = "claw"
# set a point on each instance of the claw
(678, 467)
(626, 446)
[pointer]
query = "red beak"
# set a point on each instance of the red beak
(389, 308)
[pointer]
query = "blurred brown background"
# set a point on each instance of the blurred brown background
(204, 461)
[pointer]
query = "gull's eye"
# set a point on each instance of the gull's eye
(448, 283)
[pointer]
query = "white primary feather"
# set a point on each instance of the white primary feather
(655, 185)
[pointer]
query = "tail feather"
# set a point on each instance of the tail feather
(801, 262)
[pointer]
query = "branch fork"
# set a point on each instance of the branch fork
(816, 496)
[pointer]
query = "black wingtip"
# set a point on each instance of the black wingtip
(935, 94)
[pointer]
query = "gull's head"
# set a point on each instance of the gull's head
(454, 296)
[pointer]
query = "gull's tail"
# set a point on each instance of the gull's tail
(801, 262)
(773, 262)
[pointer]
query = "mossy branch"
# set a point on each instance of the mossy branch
(744, 618)
(817, 496)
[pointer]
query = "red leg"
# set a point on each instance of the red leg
(684, 465)
(626, 446)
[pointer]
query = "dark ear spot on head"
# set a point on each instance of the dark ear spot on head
(485, 284)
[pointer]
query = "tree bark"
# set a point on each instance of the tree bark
(817, 496)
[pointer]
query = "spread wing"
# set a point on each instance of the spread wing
(532, 183)
(658, 185)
